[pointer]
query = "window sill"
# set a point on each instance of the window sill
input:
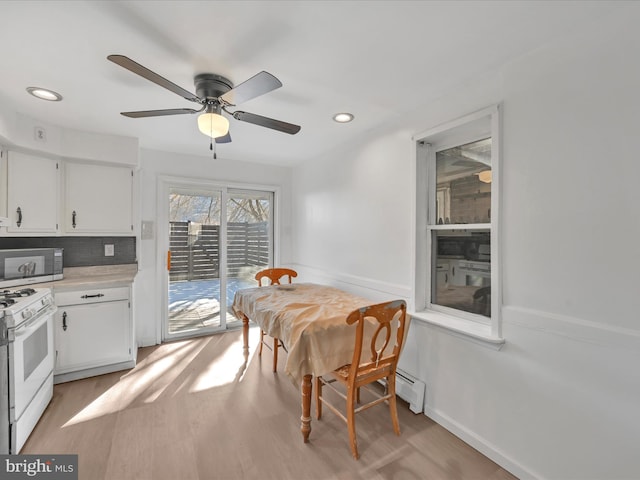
(460, 327)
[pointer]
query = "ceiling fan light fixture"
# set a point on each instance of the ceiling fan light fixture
(343, 117)
(44, 94)
(213, 125)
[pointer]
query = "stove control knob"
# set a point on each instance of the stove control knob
(27, 313)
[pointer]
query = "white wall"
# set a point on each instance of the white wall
(350, 197)
(560, 399)
(18, 131)
(155, 164)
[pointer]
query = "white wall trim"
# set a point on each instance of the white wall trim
(346, 280)
(458, 122)
(476, 332)
(480, 444)
(573, 328)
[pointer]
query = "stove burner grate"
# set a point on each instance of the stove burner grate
(25, 292)
(6, 302)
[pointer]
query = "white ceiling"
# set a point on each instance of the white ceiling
(377, 59)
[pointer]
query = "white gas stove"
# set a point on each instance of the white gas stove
(26, 345)
(20, 305)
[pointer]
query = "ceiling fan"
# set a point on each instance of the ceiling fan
(215, 94)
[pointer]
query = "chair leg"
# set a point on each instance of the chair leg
(261, 340)
(318, 394)
(275, 354)
(351, 421)
(391, 385)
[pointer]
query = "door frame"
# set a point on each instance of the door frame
(164, 185)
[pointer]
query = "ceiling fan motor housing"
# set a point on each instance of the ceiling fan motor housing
(210, 86)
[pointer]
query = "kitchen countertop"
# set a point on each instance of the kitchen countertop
(93, 277)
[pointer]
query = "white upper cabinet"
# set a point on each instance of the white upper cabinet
(98, 199)
(32, 194)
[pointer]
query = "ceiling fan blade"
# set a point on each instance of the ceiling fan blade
(279, 125)
(158, 113)
(144, 72)
(224, 139)
(257, 85)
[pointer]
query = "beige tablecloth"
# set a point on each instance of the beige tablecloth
(309, 319)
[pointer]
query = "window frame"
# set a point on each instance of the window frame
(475, 126)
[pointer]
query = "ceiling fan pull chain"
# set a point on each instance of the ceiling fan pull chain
(212, 145)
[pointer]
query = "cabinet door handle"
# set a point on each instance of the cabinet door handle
(97, 295)
(446, 278)
(64, 321)
(73, 219)
(453, 271)
(19, 212)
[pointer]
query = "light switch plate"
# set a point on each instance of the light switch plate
(108, 250)
(147, 230)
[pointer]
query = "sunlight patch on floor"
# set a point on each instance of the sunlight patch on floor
(146, 382)
(224, 369)
(157, 374)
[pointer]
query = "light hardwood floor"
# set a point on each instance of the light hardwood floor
(191, 410)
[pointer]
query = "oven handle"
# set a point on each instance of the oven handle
(35, 322)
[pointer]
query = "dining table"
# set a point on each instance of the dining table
(310, 321)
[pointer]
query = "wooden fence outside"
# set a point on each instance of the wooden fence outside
(195, 250)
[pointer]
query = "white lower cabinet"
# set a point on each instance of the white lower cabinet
(456, 278)
(93, 332)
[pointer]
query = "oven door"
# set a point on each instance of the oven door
(32, 359)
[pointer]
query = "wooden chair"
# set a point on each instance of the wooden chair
(274, 275)
(381, 363)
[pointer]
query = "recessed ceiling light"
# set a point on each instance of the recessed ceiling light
(44, 94)
(343, 117)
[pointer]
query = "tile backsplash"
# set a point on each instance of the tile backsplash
(80, 251)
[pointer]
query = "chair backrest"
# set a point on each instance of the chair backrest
(382, 320)
(275, 275)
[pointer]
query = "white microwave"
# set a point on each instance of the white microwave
(25, 266)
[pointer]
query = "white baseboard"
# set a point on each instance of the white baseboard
(148, 342)
(480, 444)
(92, 372)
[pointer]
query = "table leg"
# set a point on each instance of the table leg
(245, 332)
(305, 428)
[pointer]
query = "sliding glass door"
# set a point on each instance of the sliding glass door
(249, 239)
(218, 238)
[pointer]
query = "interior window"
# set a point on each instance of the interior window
(456, 224)
(461, 257)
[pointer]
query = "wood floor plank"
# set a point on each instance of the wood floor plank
(194, 410)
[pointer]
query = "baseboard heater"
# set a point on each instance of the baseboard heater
(411, 390)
